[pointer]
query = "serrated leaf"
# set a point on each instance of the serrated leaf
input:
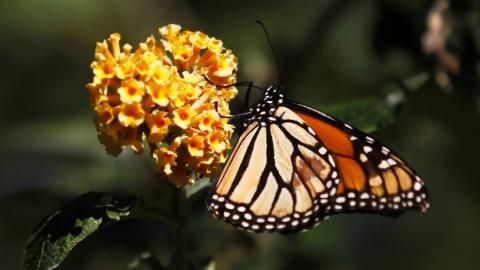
(61, 231)
(371, 113)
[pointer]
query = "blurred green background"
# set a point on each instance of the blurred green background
(330, 52)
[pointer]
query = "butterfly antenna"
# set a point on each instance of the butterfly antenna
(271, 47)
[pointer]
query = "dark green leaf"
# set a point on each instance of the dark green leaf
(371, 113)
(61, 231)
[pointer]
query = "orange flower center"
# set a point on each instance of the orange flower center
(132, 111)
(183, 115)
(195, 144)
(207, 121)
(215, 137)
(160, 122)
(107, 69)
(132, 90)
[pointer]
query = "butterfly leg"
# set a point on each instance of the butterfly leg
(234, 116)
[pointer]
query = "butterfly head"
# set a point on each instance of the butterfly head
(264, 109)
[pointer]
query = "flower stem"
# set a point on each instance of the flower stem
(179, 258)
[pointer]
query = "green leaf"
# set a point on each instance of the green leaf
(371, 113)
(61, 231)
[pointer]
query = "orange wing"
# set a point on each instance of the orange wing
(372, 177)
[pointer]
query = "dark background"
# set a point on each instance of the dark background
(330, 51)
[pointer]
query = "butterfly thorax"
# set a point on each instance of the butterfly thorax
(263, 111)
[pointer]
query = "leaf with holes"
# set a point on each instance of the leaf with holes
(62, 230)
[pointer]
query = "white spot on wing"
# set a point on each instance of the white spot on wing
(417, 186)
(383, 165)
(367, 149)
(391, 162)
(330, 159)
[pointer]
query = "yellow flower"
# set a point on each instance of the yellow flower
(199, 40)
(105, 70)
(146, 61)
(216, 141)
(158, 93)
(160, 73)
(207, 119)
(195, 145)
(131, 115)
(104, 113)
(192, 77)
(115, 137)
(158, 123)
(191, 91)
(165, 158)
(131, 91)
(182, 117)
(125, 67)
(215, 45)
(170, 31)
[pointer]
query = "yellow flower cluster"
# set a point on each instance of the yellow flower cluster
(158, 93)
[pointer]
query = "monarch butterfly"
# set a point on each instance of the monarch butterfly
(294, 166)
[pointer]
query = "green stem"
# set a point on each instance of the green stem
(179, 259)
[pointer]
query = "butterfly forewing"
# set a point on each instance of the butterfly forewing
(372, 177)
(279, 177)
